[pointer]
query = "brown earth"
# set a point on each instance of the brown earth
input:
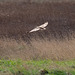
(18, 18)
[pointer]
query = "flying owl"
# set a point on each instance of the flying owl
(41, 27)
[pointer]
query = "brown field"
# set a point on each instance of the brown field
(18, 18)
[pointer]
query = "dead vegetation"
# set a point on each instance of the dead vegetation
(17, 19)
(38, 49)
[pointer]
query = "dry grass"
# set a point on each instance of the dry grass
(38, 49)
(55, 49)
(18, 18)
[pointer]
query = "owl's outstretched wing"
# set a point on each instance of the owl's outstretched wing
(35, 29)
(43, 25)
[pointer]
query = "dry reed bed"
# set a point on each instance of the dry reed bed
(38, 49)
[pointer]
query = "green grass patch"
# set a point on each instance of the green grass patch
(34, 67)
